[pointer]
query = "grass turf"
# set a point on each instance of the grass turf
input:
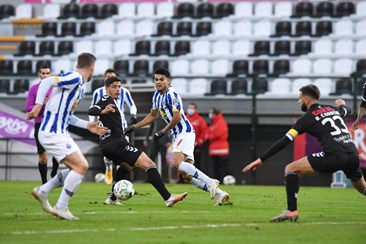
(326, 216)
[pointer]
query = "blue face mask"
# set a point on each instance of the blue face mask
(190, 111)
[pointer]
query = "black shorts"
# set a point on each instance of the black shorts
(324, 163)
(120, 152)
(40, 148)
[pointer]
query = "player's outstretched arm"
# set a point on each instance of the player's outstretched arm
(96, 128)
(253, 165)
(34, 112)
(361, 112)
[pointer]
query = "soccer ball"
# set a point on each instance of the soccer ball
(229, 180)
(99, 177)
(123, 190)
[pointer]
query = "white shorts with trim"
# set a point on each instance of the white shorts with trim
(184, 142)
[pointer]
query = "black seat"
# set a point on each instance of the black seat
(324, 9)
(239, 87)
(6, 11)
(108, 10)
(161, 64)
(122, 67)
(41, 63)
(184, 28)
(142, 48)
(240, 67)
(224, 10)
(46, 48)
(185, 10)
(343, 86)
(65, 47)
(323, 28)
(68, 29)
(259, 85)
(283, 28)
(218, 87)
(182, 48)
(205, 10)
(203, 28)
(260, 67)
(162, 48)
(281, 67)
(303, 9)
(24, 67)
(361, 66)
(49, 29)
(141, 68)
(89, 10)
(4, 86)
(165, 28)
(138, 81)
(302, 47)
(360, 83)
(303, 28)
(87, 28)
(21, 86)
(6, 67)
(261, 48)
(345, 9)
(282, 48)
(71, 10)
(26, 48)
(96, 84)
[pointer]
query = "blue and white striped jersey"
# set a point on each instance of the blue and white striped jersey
(168, 103)
(65, 98)
(125, 98)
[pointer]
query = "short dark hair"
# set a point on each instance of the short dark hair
(112, 79)
(215, 111)
(85, 60)
(162, 71)
(193, 104)
(43, 66)
(110, 71)
(310, 90)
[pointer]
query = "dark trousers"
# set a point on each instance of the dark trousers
(220, 167)
(153, 150)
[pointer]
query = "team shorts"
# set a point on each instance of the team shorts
(120, 152)
(184, 142)
(324, 163)
(40, 148)
(58, 145)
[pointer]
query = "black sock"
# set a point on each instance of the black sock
(154, 178)
(54, 167)
(364, 192)
(292, 188)
(43, 171)
(121, 174)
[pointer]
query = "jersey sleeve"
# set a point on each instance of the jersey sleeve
(44, 87)
(174, 100)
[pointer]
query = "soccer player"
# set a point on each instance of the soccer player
(114, 145)
(43, 72)
(326, 124)
(168, 102)
(125, 98)
(54, 135)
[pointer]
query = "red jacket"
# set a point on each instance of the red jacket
(217, 134)
(199, 126)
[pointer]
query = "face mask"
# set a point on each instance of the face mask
(190, 111)
(210, 115)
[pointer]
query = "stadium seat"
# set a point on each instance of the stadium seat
(260, 67)
(48, 29)
(179, 67)
(323, 28)
(200, 67)
(298, 83)
(141, 68)
(201, 47)
(87, 28)
(221, 47)
(84, 46)
(218, 87)
(220, 67)
(283, 9)
(205, 9)
(126, 28)
(51, 11)
(345, 9)
(184, 28)
(21, 86)
(127, 9)
(122, 47)
(243, 9)
(108, 10)
(283, 28)
(262, 28)
(24, 11)
(165, 28)
(198, 86)
(261, 48)
(361, 9)
(222, 28)
(144, 28)
(281, 66)
(68, 29)
(361, 28)
(323, 46)
(282, 48)
(4, 86)
(322, 66)
(162, 48)
(361, 66)
(185, 9)
(280, 86)
(343, 27)
(26, 48)
(304, 9)
(165, 10)
(241, 47)
(6, 67)
(61, 65)
(182, 48)
(70, 10)
(103, 47)
(324, 85)
(90, 10)
(259, 85)
(122, 67)
(360, 47)
(160, 64)
(240, 67)
(242, 28)
(203, 28)
(180, 85)
(302, 47)
(324, 8)
(138, 81)
(46, 48)
(303, 28)
(224, 10)
(101, 65)
(6, 11)
(343, 66)
(343, 86)
(302, 66)
(65, 47)
(145, 9)
(263, 9)
(142, 48)
(344, 47)
(239, 87)
(97, 83)
(106, 28)
(41, 63)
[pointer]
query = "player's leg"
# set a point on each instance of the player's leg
(121, 173)
(360, 185)
(108, 170)
(42, 166)
(55, 166)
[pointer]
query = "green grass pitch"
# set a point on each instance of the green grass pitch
(326, 216)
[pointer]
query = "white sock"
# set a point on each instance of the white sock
(55, 182)
(71, 184)
(191, 170)
(202, 185)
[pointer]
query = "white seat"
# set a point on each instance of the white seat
(360, 47)
(221, 47)
(244, 9)
(324, 85)
(23, 11)
(241, 47)
(263, 9)
(243, 28)
(361, 8)
(146, 9)
(322, 66)
(144, 28)
(126, 28)
(302, 66)
(222, 28)
(198, 86)
(298, 83)
(280, 86)
(106, 28)
(262, 28)
(200, 67)
(343, 47)
(51, 11)
(220, 67)
(179, 67)
(283, 9)
(84, 46)
(201, 47)
(61, 66)
(181, 85)
(165, 10)
(122, 47)
(103, 47)
(323, 46)
(127, 10)
(343, 27)
(343, 66)
(101, 65)
(361, 28)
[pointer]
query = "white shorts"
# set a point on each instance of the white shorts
(58, 145)
(184, 143)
